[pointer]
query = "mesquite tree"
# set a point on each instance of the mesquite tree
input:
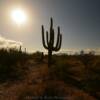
(49, 43)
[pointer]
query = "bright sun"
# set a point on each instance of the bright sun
(18, 16)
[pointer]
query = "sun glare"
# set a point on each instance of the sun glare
(18, 16)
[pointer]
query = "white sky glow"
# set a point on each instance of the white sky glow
(18, 16)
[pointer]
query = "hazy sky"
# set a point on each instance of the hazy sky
(79, 21)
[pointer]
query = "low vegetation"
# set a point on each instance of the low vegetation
(79, 71)
(11, 64)
(82, 71)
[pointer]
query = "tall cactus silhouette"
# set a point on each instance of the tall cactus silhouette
(49, 43)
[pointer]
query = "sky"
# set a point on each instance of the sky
(79, 21)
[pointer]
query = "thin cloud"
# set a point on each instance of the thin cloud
(7, 43)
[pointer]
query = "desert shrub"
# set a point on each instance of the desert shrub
(8, 73)
(8, 64)
(61, 69)
(93, 80)
(85, 68)
(38, 56)
(86, 58)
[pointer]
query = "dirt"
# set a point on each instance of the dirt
(37, 84)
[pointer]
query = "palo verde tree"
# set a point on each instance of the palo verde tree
(49, 43)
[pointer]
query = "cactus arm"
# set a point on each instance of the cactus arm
(51, 24)
(59, 45)
(51, 31)
(52, 37)
(43, 38)
(47, 38)
(59, 40)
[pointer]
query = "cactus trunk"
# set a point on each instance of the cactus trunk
(49, 58)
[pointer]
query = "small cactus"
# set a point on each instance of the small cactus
(50, 41)
(42, 56)
(25, 50)
(20, 48)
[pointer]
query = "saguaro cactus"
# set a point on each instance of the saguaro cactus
(25, 50)
(49, 43)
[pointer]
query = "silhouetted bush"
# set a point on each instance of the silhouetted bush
(9, 59)
(82, 71)
(38, 56)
